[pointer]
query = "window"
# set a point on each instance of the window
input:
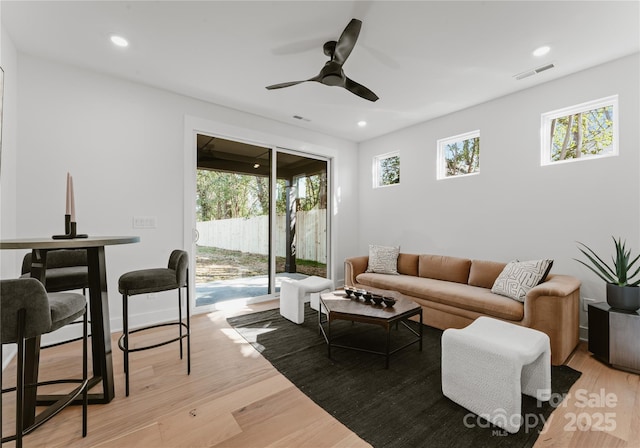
(459, 155)
(386, 169)
(585, 131)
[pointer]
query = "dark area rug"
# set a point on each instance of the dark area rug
(399, 407)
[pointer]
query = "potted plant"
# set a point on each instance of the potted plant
(623, 292)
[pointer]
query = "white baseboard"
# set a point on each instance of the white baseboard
(584, 333)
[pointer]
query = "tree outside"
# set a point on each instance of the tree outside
(389, 170)
(586, 133)
(222, 195)
(463, 157)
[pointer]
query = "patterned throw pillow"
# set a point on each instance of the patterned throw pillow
(518, 277)
(383, 259)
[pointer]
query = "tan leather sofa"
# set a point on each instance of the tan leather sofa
(453, 292)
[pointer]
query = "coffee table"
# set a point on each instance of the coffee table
(339, 307)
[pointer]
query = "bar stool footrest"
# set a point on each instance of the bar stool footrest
(159, 344)
(53, 409)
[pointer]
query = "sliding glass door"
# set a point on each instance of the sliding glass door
(261, 215)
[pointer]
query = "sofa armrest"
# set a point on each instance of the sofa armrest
(553, 308)
(353, 267)
(555, 285)
(543, 301)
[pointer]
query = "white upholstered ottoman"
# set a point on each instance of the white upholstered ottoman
(294, 294)
(490, 363)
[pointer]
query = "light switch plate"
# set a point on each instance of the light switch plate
(144, 222)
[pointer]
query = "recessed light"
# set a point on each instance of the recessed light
(362, 123)
(541, 51)
(119, 41)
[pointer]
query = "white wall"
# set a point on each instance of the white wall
(124, 144)
(8, 178)
(514, 208)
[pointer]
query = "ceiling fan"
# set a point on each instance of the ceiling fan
(332, 73)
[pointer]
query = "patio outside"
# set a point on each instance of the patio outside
(223, 275)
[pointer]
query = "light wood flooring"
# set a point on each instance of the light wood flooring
(235, 398)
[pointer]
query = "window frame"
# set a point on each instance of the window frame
(376, 171)
(441, 144)
(545, 129)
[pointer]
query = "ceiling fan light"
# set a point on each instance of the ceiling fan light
(362, 123)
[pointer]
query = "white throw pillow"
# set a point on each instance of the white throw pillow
(518, 277)
(383, 259)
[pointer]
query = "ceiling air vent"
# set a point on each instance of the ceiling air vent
(532, 72)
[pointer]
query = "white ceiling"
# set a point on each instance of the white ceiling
(424, 59)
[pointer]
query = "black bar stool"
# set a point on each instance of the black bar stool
(66, 270)
(29, 312)
(175, 276)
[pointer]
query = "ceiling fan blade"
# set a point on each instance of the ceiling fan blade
(359, 90)
(347, 41)
(284, 84)
(293, 83)
(298, 47)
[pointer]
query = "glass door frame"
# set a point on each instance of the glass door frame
(273, 223)
(189, 234)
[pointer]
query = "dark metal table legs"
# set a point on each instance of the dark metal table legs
(100, 334)
(325, 330)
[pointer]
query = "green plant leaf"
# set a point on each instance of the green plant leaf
(637, 271)
(606, 273)
(601, 273)
(622, 264)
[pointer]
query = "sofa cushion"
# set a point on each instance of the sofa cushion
(484, 273)
(383, 259)
(459, 295)
(518, 277)
(442, 267)
(408, 264)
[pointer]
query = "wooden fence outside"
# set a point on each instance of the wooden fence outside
(251, 235)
